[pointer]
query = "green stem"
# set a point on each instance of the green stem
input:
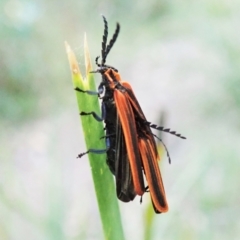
(93, 131)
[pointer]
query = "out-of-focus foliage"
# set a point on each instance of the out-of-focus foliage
(182, 57)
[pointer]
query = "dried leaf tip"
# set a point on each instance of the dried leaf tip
(72, 59)
(87, 56)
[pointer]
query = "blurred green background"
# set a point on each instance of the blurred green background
(181, 57)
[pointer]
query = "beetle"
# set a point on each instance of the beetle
(130, 145)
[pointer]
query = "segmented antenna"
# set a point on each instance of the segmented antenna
(165, 130)
(104, 41)
(112, 41)
(106, 48)
(96, 61)
(168, 155)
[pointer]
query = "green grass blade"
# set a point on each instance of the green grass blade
(93, 131)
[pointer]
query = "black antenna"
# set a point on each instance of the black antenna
(104, 41)
(112, 41)
(96, 61)
(165, 130)
(106, 49)
(168, 155)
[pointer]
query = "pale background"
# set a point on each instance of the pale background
(181, 57)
